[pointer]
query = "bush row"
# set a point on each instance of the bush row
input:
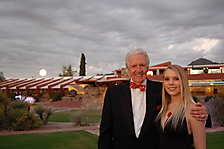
(16, 115)
(215, 106)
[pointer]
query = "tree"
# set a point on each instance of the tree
(2, 78)
(82, 66)
(66, 71)
(44, 113)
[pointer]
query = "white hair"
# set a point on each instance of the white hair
(134, 52)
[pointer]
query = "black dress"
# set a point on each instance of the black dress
(171, 138)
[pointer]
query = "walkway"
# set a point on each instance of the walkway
(65, 126)
(55, 127)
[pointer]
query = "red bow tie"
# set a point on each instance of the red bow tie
(134, 85)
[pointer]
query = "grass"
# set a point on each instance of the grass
(215, 140)
(57, 140)
(95, 115)
(77, 140)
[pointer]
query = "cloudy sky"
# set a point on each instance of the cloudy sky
(49, 34)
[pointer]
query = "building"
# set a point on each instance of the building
(206, 78)
(90, 89)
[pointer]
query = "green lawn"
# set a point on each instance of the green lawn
(76, 140)
(215, 140)
(57, 140)
(95, 115)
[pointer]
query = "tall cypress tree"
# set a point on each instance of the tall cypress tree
(82, 66)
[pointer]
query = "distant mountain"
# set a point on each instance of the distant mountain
(203, 61)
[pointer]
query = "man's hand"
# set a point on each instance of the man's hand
(200, 112)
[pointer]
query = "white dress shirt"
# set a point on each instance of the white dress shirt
(138, 98)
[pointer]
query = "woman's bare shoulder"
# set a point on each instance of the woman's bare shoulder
(189, 107)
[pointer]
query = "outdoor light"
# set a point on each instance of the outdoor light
(43, 72)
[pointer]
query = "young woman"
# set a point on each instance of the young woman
(176, 127)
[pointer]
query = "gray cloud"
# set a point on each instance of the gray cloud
(49, 34)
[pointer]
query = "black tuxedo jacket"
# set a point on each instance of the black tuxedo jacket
(117, 124)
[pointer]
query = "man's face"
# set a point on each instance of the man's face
(137, 68)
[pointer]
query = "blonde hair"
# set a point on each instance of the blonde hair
(134, 52)
(185, 95)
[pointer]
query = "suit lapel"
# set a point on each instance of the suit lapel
(125, 99)
(151, 103)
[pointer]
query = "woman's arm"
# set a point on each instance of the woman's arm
(198, 130)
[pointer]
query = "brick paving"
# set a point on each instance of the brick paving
(65, 104)
(214, 129)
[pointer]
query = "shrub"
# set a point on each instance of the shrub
(80, 119)
(77, 118)
(3, 96)
(12, 96)
(207, 98)
(221, 96)
(2, 116)
(39, 110)
(4, 101)
(48, 112)
(87, 121)
(16, 118)
(195, 98)
(36, 122)
(21, 119)
(216, 110)
(16, 115)
(44, 113)
(18, 104)
(55, 96)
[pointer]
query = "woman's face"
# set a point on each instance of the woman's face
(171, 83)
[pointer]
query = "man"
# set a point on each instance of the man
(131, 107)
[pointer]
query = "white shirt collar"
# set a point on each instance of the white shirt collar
(143, 83)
